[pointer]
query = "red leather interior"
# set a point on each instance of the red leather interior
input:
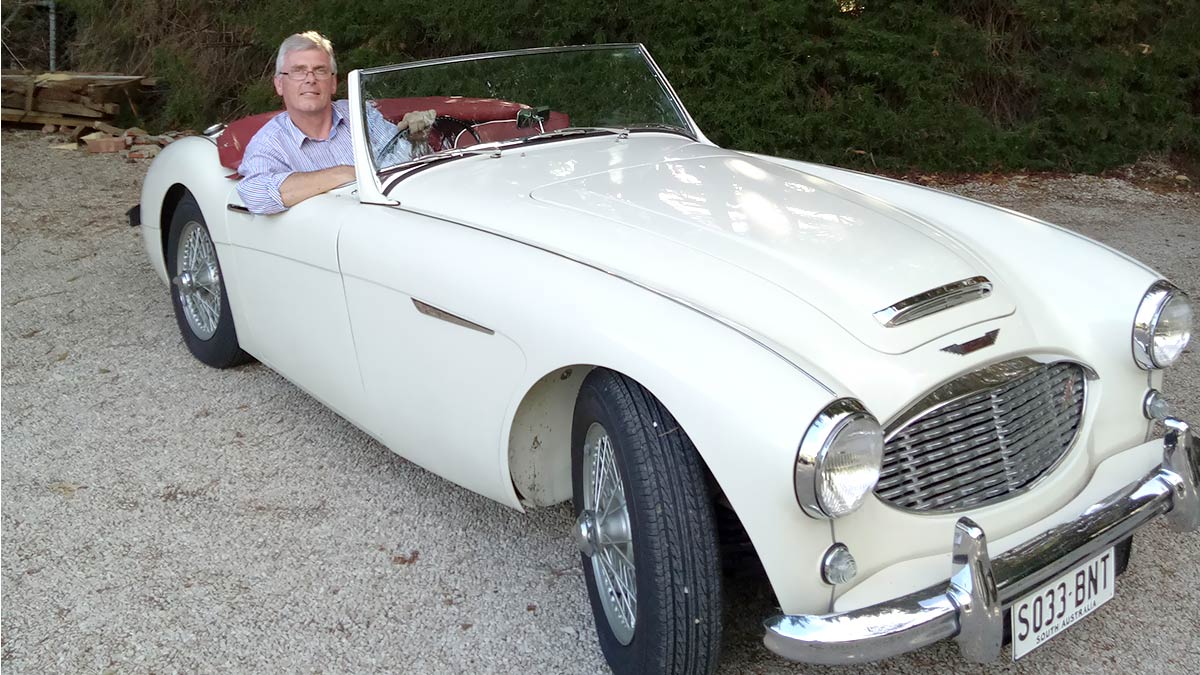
(499, 116)
(232, 142)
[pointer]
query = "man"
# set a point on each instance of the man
(307, 150)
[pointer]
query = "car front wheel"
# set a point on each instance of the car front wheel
(198, 291)
(646, 531)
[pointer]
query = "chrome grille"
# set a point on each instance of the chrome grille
(984, 446)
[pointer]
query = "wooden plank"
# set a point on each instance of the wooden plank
(50, 106)
(108, 128)
(12, 115)
(70, 78)
(58, 94)
(106, 108)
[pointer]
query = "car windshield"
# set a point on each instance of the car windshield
(491, 101)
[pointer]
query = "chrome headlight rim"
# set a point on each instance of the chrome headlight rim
(818, 440)
(1145, 323)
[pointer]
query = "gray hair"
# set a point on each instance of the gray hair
(300, 42)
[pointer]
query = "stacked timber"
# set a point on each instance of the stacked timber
(68, 99)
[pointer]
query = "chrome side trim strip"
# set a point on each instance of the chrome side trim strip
(969, 607)
(430, 310)
(934, 300)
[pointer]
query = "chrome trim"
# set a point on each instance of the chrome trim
(934, 300)
(1182, 457)
(986, 340)
(970, 384)
(1145, 322)
(823, 429)
(430, 310)
(498, 55)
(974, 384)
(969, 607)
(214, 130)
(238, 208)
(974, 591)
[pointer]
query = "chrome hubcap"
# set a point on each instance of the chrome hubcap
(198, 280)
(603, 533)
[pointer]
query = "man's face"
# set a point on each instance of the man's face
(309, 94)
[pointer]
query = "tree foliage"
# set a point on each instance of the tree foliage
(937, 84)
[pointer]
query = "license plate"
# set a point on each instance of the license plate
(1048, 611)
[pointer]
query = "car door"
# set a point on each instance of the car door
(291, 305)
(427, 303)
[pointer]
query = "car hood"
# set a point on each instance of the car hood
(736, 236)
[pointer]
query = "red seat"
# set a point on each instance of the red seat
(496, 120)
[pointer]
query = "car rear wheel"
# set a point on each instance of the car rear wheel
(646, 531)
(198, 291)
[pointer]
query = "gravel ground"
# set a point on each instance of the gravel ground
(161, 516)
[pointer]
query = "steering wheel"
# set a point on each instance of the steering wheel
(448, 130)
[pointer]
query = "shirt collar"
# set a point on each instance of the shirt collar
(298, 137)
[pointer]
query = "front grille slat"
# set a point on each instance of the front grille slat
(986, 446)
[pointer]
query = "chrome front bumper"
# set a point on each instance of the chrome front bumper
(971, 607)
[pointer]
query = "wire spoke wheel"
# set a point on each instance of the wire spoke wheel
(197, 280)
(612, 544)
(198, 293)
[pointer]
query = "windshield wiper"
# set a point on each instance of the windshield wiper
(579, 131)
(485, 149)
(662, 126)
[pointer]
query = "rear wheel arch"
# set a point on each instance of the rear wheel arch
(171, 199)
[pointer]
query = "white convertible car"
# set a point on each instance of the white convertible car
(928, 417)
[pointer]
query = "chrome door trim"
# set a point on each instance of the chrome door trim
(430, 310)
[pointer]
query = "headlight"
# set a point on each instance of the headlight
(839, 460)
(1162, 326)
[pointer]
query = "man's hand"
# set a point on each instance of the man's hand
(418, 123)
(304, 184)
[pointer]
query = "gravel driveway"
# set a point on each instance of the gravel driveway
(162, 516)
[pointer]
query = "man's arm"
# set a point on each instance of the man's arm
(304, 184)
(271, 186)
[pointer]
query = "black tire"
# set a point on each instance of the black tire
(220, 349)
(677, 628)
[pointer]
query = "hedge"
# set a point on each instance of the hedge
(941, 85)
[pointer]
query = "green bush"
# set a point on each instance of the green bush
(942, 85)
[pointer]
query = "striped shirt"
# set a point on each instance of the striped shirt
(280, 149)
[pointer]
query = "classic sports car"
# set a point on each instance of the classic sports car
(576, 295)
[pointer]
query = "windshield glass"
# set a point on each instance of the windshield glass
(447, 107)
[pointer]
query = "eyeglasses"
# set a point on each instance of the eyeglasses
(301, 74)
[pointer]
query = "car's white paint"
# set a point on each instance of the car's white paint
(737, 288)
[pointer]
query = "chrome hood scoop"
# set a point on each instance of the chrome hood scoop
(934, 300)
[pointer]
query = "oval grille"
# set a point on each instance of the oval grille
(985, 446)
